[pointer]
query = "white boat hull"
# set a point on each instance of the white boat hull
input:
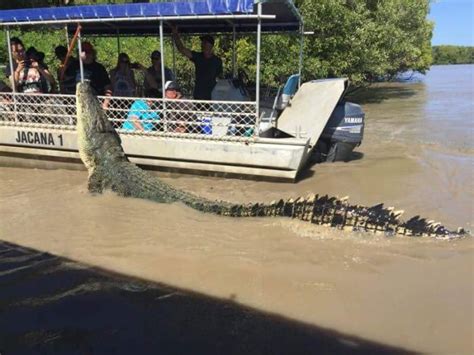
(275, 158)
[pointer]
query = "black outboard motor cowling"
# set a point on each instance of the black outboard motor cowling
(343, 132)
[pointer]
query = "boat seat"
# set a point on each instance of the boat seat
(289, 90)
(282, 99)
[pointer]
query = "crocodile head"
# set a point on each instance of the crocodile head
(97, 138)
(90, 114)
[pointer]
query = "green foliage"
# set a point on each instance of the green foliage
(364, 40)
(453, 55)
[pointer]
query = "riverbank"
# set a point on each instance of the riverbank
(449, 54)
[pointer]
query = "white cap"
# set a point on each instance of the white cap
(171, 85)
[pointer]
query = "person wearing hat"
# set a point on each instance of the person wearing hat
(153, 73)
(143, 115)
(172, 90)
(208, 67)
(177, 115)
(93, 71)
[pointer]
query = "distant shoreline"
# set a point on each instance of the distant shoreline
(450, 54)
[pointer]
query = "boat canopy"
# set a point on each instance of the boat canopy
(141, 18)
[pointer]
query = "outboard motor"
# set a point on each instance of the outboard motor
(342, 133)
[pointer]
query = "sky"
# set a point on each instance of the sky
(453, 22)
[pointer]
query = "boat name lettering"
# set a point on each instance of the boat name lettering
(41, 138)
(353, 119)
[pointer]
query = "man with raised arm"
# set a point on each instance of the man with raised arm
(208, 67)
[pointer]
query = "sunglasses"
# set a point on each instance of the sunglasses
(125, 61)
(155, 58)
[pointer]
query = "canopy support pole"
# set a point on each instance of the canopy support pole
(234, 54)
(119, 49)
(165, 126)
(257, 88)
(12, 72)
(10, 61)
(79, 48)
(300, 64)
(173, 46)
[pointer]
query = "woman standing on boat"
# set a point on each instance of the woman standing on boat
(122, 77)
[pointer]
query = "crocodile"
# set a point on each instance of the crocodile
(108, 167)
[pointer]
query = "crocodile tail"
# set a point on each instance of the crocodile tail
(336, 212)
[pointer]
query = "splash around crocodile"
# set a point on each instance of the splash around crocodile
(101, 152)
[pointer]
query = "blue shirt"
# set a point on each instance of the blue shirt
(142, 111)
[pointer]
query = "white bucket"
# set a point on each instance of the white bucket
(220, 125)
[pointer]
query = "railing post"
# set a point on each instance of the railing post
(234, 54)
(257, 89)
(12, 72)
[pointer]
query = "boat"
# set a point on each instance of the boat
(242, 131)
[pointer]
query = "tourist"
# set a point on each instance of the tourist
(93, 71)
(172, 90)
(153, 73)
(66, 73)
(178, 115)
(141, 117)
(29, 74)
(123, 78)
(208, 67)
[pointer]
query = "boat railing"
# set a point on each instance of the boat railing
(181, 118)
(38, 110)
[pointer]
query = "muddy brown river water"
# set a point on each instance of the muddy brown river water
(103, 274)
